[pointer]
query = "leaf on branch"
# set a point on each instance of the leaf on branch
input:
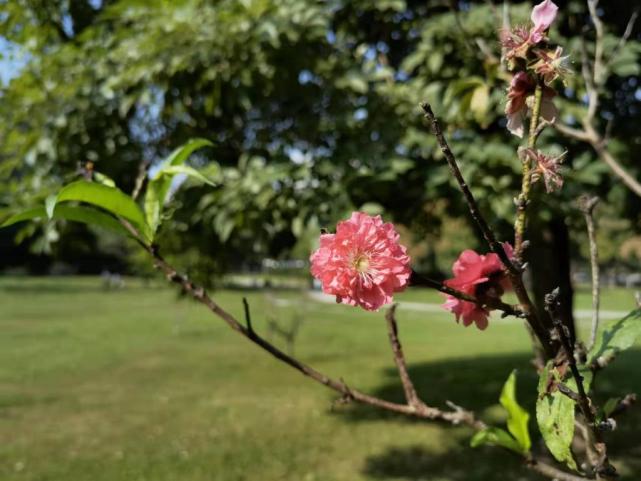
(75, 213)
(617, 336)
(518, 438)
(517, 421)
(111, 199)
(555, 416)
(493, 436)
(160, 184)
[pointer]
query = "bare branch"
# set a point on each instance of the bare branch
(587, 205)
(487, 232)
(552, 472)
(399, 358)
(514, 272)
(508, 310)
(625, 37)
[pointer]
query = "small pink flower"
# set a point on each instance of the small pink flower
(517, 42)
(521, 89)
(481, 276)
(362, 264)
(542, 17)
(547, 168)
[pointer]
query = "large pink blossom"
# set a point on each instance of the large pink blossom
(481, 276)
(362, 264)
(521, 89)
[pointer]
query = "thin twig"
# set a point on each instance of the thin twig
(552, 472)
(408, 386)
(248, 318)
(625, 37)
(513, 271)
(487, 232)
(587, 205)
(507, 309)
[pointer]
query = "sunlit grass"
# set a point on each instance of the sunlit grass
(138, 384)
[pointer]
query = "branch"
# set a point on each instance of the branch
(399, 358)
(514, 272)
(526, 182)
(552, 472)
(587, 205)
(603, 468)
(508, 310)
(625, 37)
(487, 232)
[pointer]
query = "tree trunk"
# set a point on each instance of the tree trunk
(548, 257)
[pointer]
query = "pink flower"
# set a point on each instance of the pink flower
(517, 42)
(480, 276)
(521, 89)
(546, 168)
(542, 17)
(362, 264)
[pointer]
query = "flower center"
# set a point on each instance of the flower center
(361, 263)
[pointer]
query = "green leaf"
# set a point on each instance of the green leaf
(517, 421)
(495, 437)
(29, 214)
(617, 336)
(555, 416)
(103, 179)
(50, 205)
(75, 213)
(108, 198)
(159, 185)
(189, 171)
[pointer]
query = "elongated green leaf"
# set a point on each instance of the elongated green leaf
(517, 421)
(617, 336)
(108, 198)
(495, 437)
(185, 169)
(555, 416)
(75, 213)
(29, 214)
(182, 153)
(159, 185)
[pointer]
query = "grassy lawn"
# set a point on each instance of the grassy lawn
(136, 384)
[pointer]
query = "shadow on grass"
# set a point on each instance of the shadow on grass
(476, 383)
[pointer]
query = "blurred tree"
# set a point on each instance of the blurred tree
(313, 110)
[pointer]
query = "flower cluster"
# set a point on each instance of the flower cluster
(363, 264)
(533, 62)
(481, 276)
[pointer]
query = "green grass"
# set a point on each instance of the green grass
(137, 384)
